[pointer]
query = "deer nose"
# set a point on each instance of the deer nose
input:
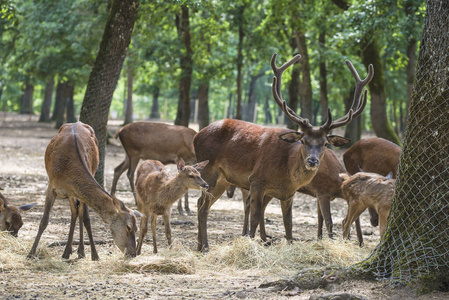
(313, 161)
(205, 186)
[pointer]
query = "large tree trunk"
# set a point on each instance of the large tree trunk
(379, 120)
(305, 88)
(238, 114)
(186, 64)
(129, 100)
(26, 106)
(155, 107)
(416, 242)
(203, 105)
(58, 99)
(106, 72)
(70, 103)
(46, 105)
(65, 96)
(252, 97)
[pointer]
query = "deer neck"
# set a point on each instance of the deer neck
(174, 189)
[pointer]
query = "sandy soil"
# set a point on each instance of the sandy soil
(23, 180)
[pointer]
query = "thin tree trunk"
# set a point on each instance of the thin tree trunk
(354, 129)
(293, 86)
(70, 103)
(371, 55)
(106, 72)
(63, 94)
(58, 99)
(26, 106)
(186, 64)
(129, 101)
(155, 107)
(252, 97)
(46, 105)
(324, 102)
(268, 116)
(305, 89)
(238, 114)
(203, 104)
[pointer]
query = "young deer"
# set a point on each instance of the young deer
(157, 141)
(10, 216)
(367, 190)
(252, 157)
(157, 191)
(71, 159)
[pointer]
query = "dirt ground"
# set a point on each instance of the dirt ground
(23, 180)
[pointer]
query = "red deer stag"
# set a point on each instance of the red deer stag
(375, 155)
(10, 216)
(367, 190)
(157, 141)
(251, 157)
(157, 191)
(71, 159)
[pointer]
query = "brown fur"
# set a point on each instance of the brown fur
(367, 190)
(10, 216)
(156, 141)
(71, 160)
(157, 191)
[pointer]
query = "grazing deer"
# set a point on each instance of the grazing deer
(71, 159)
(325, 186)
(10, 216)
(157, 191)
(157, 141)
(375, 155)
(252, 157)
(367, 190)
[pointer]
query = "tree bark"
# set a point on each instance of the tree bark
(129, 100)
(415, 246)
(26, 106)
(46, 105)
(106, 72)
(155, 107)
(268, 116)
(252, 97)
(324, 101)
(65, 111)
(238, 114)
(70, 103)
(305, 88)
(203, 105)
(186, 64)
(379, 120)
(354, 129)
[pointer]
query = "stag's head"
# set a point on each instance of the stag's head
(313, 138)
(11, 217)
(123, 228)
(192, 176)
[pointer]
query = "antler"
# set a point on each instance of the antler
(357, 105)
(276, 89)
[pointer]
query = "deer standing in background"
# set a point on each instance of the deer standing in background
(375, 155)
(71, 160)
(156, 141)
(252, 157)
(157, 191)
(10, 216)
(367, 190)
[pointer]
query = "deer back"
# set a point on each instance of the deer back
(158, 141)
(245, 152)
(375, 155)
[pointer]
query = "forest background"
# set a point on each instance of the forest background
(200, 61)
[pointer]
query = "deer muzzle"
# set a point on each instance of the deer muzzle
(312, 163)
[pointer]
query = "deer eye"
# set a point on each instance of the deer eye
(129, 228)
(191, 176)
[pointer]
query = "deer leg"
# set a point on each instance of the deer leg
(256, 201)
(142, 233)
(325, 208)
(87, 225)
(118, 171)
(246, 208)
(354, 211)
(132, 169)
(383, 217)
(153, 230)
(166, 218)
(320, 221)
(49, 201)
(186, 204)
(180, 209)
(81, 252)
(262, 232)
(287, 216)
(217, 186)
(374, 217)
(358, 229)
(74, 203)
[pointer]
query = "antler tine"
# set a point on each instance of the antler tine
(359, 100)
(276, 89)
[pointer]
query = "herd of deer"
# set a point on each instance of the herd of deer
(264, 162)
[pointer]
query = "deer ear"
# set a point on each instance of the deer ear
(291, 137)
(338, 141)
(389, 175)
(181, 164)
(27, 206)
(200, 166)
